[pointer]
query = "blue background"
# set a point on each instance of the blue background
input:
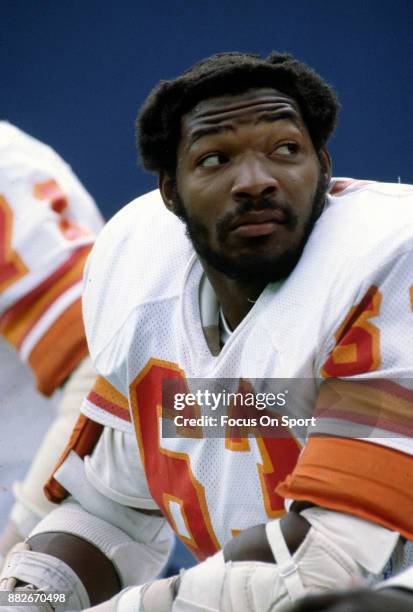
(73, 73)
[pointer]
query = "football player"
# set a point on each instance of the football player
(258, 267)
(48, 223)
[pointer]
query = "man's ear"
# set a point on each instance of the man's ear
(326, 164)
(167, 187)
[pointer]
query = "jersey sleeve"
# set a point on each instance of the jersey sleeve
(107, 405)
(359, 458)
(45, 239)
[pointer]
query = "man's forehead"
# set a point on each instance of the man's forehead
(257, 101)
(252, 99)
(253, 96)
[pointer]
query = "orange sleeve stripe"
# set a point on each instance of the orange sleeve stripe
(107, 391)
(17, 321)
(106, 396)
(83, 440)
(108, 406)
(360, 478)
(33, 295)
(378, 403)
(60, 350)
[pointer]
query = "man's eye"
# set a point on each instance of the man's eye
(288, 148)
(215, 159)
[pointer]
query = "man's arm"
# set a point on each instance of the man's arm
(96, 572)
(252, 544)
(95, 543)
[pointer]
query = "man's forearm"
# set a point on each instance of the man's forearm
(93, 568)
(252, 544)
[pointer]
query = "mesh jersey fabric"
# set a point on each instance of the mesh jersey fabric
(142, 318)
(48, 223)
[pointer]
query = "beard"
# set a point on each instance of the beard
(253, 266)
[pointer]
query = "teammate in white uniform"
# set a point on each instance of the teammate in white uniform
(48, 223)
(306, 286)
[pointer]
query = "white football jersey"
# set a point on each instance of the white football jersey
(48, 222)
(343, 314)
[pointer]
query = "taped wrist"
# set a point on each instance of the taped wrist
(134, 562)
(45, 573)
(367, 543)
(249, 586)
(157, 596)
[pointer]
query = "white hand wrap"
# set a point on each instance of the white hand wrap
(248, 586)
(154, 596)
(112, 528)
(135, 562)
(45, 573)
(318, 565)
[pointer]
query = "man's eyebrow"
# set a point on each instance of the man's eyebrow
(271, 117)
(267, 117)
(208, 131)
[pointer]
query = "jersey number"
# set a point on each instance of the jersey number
(357, 347)
(169, 474)
(12, 267)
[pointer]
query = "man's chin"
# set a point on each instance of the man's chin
(257, 270)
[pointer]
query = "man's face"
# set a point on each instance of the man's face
(248, 183)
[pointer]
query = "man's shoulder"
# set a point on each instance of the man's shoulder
(143, 240)
(363, 218)
(138, 260)
(371, 202)
(360, 241)
(21, 149)
(365, 229)
(344, 186)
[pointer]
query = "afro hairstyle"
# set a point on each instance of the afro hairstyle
(159, 120)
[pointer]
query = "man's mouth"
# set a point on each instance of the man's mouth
(258, 223)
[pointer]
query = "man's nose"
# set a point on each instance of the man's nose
(253, 180)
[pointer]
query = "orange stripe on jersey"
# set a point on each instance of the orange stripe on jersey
(105, 396)
(19, 319)
(83, 440)
(378, 403)
(361, 478)
(60, 350)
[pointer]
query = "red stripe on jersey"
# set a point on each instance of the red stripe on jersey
(18, 320)
(376, 403)
(108, 406)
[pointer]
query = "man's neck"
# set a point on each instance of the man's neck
(236, 299)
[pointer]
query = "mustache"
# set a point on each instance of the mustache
(249, 205)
